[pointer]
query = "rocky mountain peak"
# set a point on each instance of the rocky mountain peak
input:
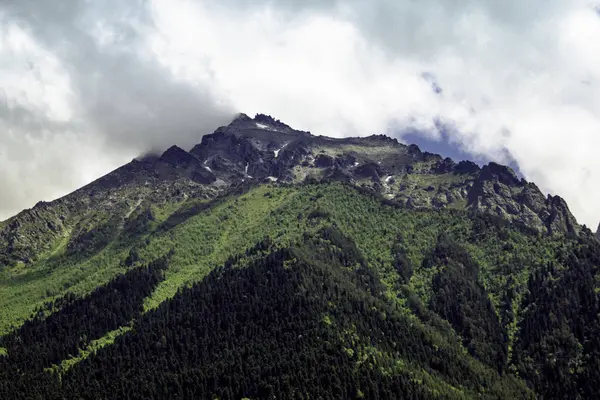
(264, 149)
(560, 220)
(466, 167)
(413, 149)
(177, 156)
(501, 173)
(268, 121)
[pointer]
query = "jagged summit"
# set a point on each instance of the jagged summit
(264, 149)
(266, 258)
(243, 123)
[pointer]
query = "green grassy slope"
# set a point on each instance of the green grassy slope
(204, 238)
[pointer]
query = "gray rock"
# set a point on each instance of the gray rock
(246, 147)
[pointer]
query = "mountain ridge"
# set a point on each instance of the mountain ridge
(263, 149)
(233, 269)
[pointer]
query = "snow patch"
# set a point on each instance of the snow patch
(278, 150)
(208, 168)
(262, 126)
(246, 169)
(272, 178)
(356, 163)
(385, 183)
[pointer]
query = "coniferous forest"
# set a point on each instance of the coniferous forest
(319, 291)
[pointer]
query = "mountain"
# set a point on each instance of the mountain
(264, 150)
(268, 262)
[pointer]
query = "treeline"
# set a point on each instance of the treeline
(294, 324)
(371, 301)
(46, 340)
(558, 347)
(311, 321)
(460, 298)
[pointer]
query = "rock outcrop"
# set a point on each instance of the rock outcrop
(263, 149)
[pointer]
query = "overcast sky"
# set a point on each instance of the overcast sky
(86, 86)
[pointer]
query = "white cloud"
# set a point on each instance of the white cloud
(79, 96)
(31, 76)
(519, 79)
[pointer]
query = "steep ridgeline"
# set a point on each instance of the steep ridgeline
(268, 263)
(92, 216)
(266, 150)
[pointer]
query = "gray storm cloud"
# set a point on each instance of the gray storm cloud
(120, 101)
(118, 89)
(88, 85)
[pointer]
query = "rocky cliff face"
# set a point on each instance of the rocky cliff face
(498, 190)
(263, 149)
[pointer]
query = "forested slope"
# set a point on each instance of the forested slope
(305, 291)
